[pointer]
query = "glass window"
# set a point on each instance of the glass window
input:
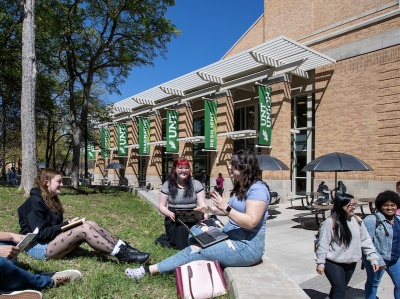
(164, 131)
(301, 106)
(198, 126)
(244, 118)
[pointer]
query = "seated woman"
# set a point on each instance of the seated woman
(247, 211)
(43, 209)
(180, 191)
(321, 189)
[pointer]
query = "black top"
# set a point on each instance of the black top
(35, 213)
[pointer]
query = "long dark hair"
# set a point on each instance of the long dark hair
(339, 216)
(173, 179)
(248, 175)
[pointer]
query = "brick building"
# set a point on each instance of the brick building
(338, 93)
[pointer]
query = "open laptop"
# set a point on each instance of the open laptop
(188, 215)
(208, 238)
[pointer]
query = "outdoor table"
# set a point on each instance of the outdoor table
(296, 197)
(371, 203)
(310, 194)
(323, 209)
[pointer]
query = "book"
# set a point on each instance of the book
(73, 224)
(25, 242)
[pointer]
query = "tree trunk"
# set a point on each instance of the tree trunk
(76, 152)
(3, 137)
(28, 126)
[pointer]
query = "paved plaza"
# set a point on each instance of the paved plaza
(291, 247)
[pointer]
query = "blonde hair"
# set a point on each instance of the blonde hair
(46, 175)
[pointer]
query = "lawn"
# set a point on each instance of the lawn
(127, 216)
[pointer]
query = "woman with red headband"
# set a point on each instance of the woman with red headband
(180, 191)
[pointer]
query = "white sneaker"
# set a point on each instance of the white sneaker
(135, 273)
(28, 294)
(66, 276)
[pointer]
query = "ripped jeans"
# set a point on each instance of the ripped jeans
(241, 249)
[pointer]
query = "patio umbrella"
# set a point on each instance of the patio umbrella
(337, 162)
(115, 166)
(267, 162)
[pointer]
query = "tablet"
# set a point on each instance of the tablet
(188, 215)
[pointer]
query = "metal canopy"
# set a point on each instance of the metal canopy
(195, 139)
(275, 53)
(239, 134)
(162, 143)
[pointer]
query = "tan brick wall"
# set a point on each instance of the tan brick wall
(297, 19)
(358, 34)
(251, 39)
(328, 12)
(356, 113)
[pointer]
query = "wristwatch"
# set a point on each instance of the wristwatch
(228, 209)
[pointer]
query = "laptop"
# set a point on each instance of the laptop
(188, 215)
(208, 238)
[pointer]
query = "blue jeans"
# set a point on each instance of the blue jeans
(242, 249)
(14, 278)
(38, 251)
(374, 278)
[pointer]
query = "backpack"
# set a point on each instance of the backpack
(316, 239)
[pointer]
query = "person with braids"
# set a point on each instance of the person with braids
(247, 210)
(342, 238)
(179, 191)
(384, 229)
(44, 210)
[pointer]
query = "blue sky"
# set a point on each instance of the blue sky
(209, 29)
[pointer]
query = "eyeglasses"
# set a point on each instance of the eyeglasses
(352, 205)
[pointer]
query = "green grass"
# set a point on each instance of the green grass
(124, 214)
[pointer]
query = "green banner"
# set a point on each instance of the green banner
(210, 124)
(265, 115)
(144, 136)
(90, 152)
(122, 139)
(172, 131)
(105, 143)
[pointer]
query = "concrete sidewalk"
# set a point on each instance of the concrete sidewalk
(291, 248)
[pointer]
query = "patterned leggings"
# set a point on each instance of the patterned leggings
(90, 232)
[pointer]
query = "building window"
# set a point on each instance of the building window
(244, 118)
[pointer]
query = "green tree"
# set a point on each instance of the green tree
(102, 40)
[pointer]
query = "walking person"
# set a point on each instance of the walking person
(247, 211)
(342, 239)
(44, 210)
(180, 191)
(12, 177)
(15, 282)
(384, 229)
(220, 184)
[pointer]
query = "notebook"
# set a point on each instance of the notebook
(188, 215)
(208, 238)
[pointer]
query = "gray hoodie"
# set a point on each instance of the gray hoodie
(330, 248)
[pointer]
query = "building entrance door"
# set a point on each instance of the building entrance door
(302, 143)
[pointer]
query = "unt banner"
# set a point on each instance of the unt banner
(105, 143)
(265, 115)
(122, 139)
(172, 131)
(90, 151)
(144, 136)
(210, 122)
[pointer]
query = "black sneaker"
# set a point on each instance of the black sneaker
(126, 255)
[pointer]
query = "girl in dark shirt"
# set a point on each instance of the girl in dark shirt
(44, 210)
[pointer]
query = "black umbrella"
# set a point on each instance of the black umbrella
(115, 166)
(267, 162)
(337, 162)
